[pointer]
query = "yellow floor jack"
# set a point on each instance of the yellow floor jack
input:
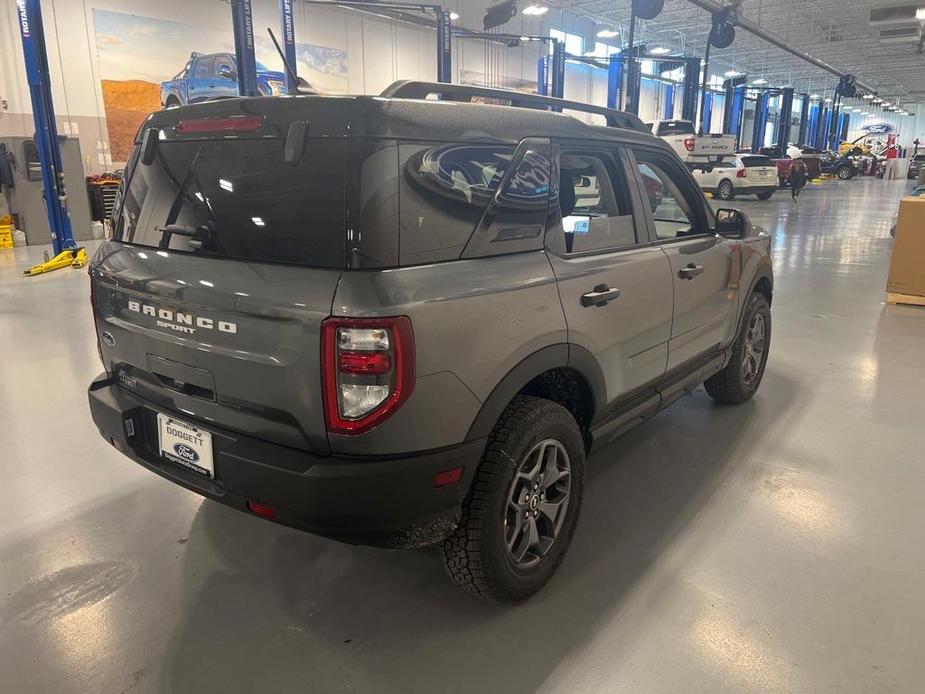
(73, 257)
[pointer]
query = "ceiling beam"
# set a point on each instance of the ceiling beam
(756, 30)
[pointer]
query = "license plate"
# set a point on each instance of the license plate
(185, 444)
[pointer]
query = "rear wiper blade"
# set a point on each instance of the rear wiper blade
(180, 229)
(196, 234)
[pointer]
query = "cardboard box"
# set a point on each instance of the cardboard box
(907, 267)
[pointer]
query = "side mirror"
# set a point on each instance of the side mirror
(731, 223)
(225, 72)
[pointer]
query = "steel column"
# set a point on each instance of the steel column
(761, 120)
(668, 106)
(444, 46)
(615, 81)
(32, 33)
(812, 125)
(804, 115)
(243, 24)
(691, 89)
(784, 118)
(287, 29)
(733, 110)
(542, 76)
(558, 69)
(822, 142)
(707, 118)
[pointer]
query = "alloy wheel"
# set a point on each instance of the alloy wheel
(537, 503)
(754, 349)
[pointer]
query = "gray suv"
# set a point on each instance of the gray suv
(404, 321)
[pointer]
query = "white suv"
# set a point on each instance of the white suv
(744, 175)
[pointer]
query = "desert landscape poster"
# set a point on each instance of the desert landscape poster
(136, 54)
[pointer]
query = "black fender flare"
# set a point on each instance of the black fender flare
(765, 272)
(557, 356)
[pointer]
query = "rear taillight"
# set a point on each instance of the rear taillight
(689, 144)
(367, 367)
(740, 173)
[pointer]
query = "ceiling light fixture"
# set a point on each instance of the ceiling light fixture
(760, 80)
(454, 16)
(535, 10)
(607, 33)
(920, 13)
(814, 97)
(660, 50)
(868, 96)
(732, 73)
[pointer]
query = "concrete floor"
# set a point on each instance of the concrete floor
(772, 547)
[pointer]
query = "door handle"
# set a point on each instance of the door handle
(690, 271)
(599, 296)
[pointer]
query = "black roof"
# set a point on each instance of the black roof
(405, 118)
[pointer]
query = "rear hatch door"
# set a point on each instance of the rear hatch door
(760, 170)
(224, 264)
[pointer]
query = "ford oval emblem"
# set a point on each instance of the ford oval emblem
(185, 452)
(109, 339)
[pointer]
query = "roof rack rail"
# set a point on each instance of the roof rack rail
(413, 89)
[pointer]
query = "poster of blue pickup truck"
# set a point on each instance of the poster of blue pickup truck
(215, 76)
(146, 64)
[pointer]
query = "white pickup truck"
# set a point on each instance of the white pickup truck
(693, 148)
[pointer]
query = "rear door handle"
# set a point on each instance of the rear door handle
(690, 271)
(599, 296)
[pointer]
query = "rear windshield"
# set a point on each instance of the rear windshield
(675, 127)
(238, 199)
(751, 162)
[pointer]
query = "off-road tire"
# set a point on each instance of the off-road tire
(729, 386)
(475, 555)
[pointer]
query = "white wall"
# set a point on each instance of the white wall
(379, 51)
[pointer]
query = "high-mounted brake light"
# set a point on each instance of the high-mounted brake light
(367, 370)
(232, 124)
(689, 144)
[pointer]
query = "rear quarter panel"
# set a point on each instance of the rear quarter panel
(473, 321)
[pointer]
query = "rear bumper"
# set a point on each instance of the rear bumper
(384, 502)
(756, 190)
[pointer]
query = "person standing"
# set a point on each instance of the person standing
(798, 178)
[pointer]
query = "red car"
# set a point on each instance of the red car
(783, 164)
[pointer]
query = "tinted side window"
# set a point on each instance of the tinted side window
(673, 201)
(202, 68)
(515, 218)
(223, 61)
(593, 203)
(444, 190)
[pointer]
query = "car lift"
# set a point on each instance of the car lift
(67, 253)
(615, 66)
(550, 76)
(441, 18)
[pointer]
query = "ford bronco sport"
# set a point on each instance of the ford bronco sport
(403, 321)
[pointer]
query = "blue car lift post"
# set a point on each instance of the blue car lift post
(46, 140)
(243, 25)
(632, 65)
(782, 135)
(441, 17)
(734, 108)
